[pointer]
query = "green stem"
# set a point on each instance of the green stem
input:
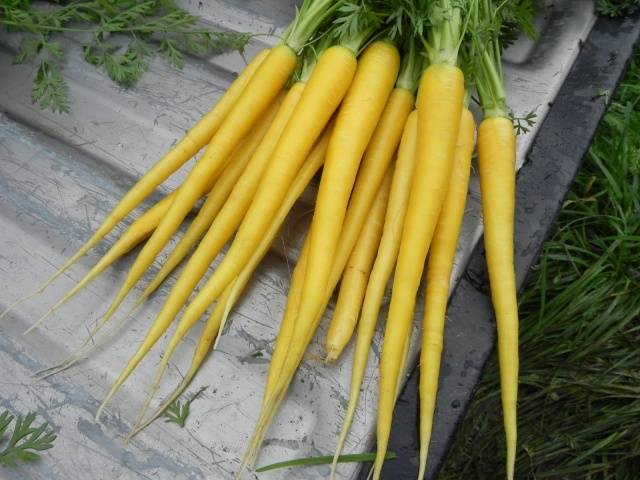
(489, 75)
(308, 19)
(445, 37)
(356, 42)
(411, 67)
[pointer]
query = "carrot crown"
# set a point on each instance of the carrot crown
(486, 53)
(309, 18)
(447, 29)
(410, 67)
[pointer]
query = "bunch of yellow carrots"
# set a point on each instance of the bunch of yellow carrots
(373, 93)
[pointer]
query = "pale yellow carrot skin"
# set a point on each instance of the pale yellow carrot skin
(357, 118)
(438, 278)
(497, 169)
(356, 274)
(381, 271)
(193, 141)
(225, 205)
(207, 337)
(377, 157)
(139, 230)
(323, 93)
(269, 79)
(288, 322)
(440, 102)
(195, 310)
(383, 66)
(215, 325)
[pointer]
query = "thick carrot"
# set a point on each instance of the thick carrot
(252, 110)
(438, 278)
(356, 121)
(440, 103)
(381, 271)
(322, 94)
(356, 274)
(496, 162)
(191, 143)
(204, 298)
(360, 113)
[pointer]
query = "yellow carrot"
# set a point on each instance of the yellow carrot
(356, 121)
(440, 101)
(438, 278)
(497, 169)
(327, 85)
(242, 168)
(207, 337)
(231, 214)
(204, 298)
(250, 111)
(191, 143)
(285, 332)
(140, 229)
(216, 323)
(356, 274)
(381, 271)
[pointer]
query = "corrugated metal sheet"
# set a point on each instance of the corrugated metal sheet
(61, 174)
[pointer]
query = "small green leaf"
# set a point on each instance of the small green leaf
(177, 412)
(325, 460)
(50, 90)
(25, 440)
(29, 48)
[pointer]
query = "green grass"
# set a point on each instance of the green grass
(579, 403)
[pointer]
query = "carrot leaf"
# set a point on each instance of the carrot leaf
(25, 440)
(177, 412)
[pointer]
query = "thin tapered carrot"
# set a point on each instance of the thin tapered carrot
(321, 96)
(241, 155)
(381, 271)
(440, 101)
(325, 89)
(140, 229)
(226, 197)
(210, 165)
(497, 169)
(191, 143)
(438, 279)
(197, 228)
(355, 124)
(226, 222)
(204, 298)
(360, 115)
(217, 196)
(356, 274)
(207, 337)
(228, 299)
(285, 332)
